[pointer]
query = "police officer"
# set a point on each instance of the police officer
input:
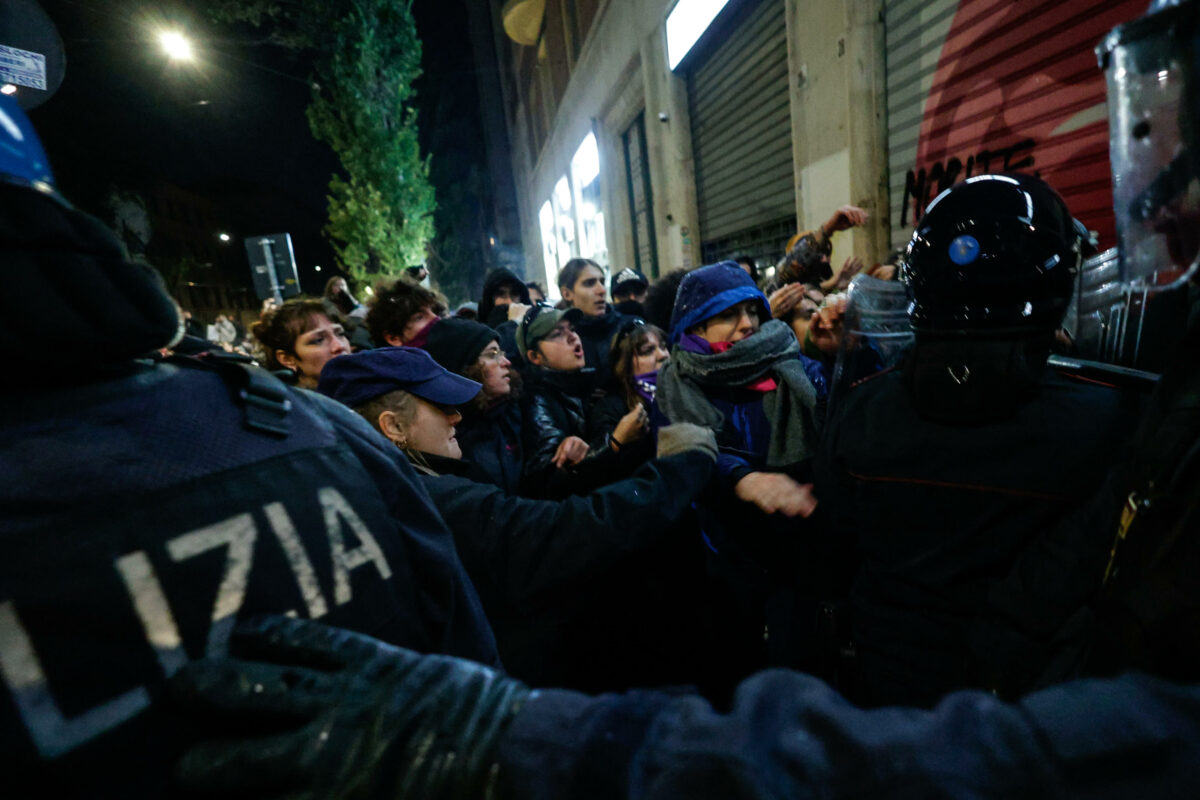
(945, 468)
(147, 506)
(788, 735)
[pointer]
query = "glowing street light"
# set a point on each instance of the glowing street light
(224, 237)
(317, 267)
(8, 88)
(176, 45)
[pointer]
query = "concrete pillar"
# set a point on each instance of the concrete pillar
(669, 151)
(839, 126)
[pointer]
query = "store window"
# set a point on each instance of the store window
(585, 179)
(571, 222)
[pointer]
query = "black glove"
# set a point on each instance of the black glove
(341, 715)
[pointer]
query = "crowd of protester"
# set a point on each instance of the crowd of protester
(606, 559)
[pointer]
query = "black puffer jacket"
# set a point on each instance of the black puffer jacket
(556, 408)
(561, 580)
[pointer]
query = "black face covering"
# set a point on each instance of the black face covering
(72, 301)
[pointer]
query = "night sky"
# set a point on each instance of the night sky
(235, 121)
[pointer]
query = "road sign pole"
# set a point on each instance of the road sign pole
(271, 273)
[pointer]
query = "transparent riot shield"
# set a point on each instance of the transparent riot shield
(875, 332)
(1120, 322)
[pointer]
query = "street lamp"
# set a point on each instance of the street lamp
(176, 45)
(317, 267)
(224, 237)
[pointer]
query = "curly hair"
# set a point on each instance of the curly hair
(660, 298)
(481, 403)
(279, 328)
(395, 304)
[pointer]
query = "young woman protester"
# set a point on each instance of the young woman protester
(637, 352)
(737, 371)
(490, 430)
(299, 337)
(540, 565)
(559, 460)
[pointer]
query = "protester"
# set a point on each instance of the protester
(737, 371)
(490, 430)
(807, 259)
(502, 288)
(339, 302)
(537, 294)
(558, 457)
(298, 337)
(635, 356)
(660, 298)
(629, 291)
(541, 566)
(581, 282)
(341, 306)
(505, 300)
(402, 312)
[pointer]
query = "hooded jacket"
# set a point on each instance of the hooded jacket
(495, 279)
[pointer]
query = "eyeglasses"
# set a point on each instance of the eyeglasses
(493, 354)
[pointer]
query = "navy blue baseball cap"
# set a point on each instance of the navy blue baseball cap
(356, 379)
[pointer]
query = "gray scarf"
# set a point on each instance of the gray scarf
(774, 350)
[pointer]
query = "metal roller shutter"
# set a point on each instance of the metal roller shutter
(979, 86)
(742, 138)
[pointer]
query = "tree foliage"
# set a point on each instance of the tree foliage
(366, 55)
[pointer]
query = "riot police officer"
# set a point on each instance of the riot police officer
(147, 506)
(946, 467)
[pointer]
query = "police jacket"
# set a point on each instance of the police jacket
(142, 517)
(556, 408)
(940, 513)
(491, 439)
(560, 580)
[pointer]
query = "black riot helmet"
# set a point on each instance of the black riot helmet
(993, 255)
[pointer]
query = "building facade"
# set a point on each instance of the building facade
(670, 133)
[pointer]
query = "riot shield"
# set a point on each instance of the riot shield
(1123, 323)
(875, 332)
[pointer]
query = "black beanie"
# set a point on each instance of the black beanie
(456, 343)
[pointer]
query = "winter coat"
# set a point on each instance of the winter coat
(491, 440)
(556, 408)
